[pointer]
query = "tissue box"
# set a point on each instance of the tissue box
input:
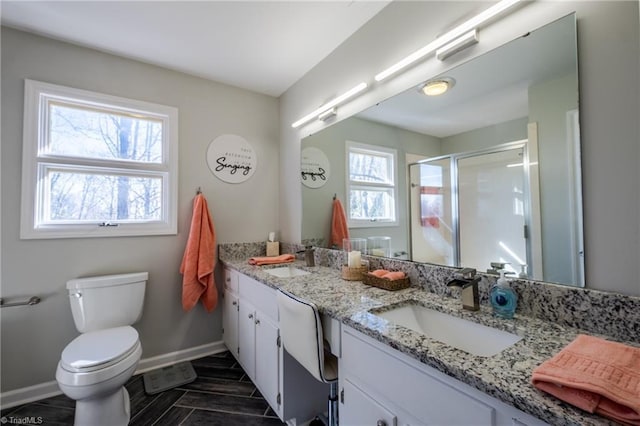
(273, 248)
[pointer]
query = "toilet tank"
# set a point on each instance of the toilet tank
(107, 301)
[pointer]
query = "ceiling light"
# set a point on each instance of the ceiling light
(329, 105)
(448, 37)
(437, 86)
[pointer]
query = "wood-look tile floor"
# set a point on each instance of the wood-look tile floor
(221, 395)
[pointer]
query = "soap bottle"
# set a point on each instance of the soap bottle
(503, 298)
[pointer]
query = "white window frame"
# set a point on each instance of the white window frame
(392, 188)
(35, 160)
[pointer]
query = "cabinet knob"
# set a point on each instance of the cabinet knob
(381, 423)
(228, 279)
(257, 321)
(250, 316)
(234, 303)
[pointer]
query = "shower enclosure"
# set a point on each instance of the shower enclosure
(477, 208)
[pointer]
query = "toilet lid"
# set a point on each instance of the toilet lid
(96, 349)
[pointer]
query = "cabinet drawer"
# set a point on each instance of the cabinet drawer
(424, 396)
(260, 295)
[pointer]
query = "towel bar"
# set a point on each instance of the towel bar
(34, 300)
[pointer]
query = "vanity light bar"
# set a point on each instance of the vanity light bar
(329, 105)
(457, 45)
(448, 37)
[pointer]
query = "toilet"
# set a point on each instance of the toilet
(95, 366)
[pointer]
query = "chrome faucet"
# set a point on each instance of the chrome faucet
(467, 281)
(308, 255)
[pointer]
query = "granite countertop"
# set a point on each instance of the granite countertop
(505, 376)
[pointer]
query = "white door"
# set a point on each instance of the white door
(358, 408)
(230, 322)
(267, 359)
(247, 338)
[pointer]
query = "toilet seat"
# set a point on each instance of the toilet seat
(99, 355)
(99, 349)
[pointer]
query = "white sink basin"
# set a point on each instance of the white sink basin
(286, 272)
(471, 337)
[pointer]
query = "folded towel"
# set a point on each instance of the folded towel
(339, 229)
(379, 272)
(272, 260)
(396, 275)
(596, 375)
(199, 259)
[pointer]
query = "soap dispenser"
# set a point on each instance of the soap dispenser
(503, 298)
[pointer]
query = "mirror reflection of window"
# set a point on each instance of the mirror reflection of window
(371, 185)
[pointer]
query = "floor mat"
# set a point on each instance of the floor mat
(159, 380)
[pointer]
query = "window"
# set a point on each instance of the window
(371, 186)
(96, 165)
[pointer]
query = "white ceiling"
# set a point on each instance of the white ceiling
(263, 46)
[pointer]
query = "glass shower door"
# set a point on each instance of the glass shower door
(492, 209)
(432, 236)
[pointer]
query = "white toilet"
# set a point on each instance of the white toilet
(95, 366)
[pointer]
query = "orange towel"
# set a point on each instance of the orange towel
(396, 275)
(199, 260)
(339, 229)
(379, 272)
(596, 375)
(272, 260)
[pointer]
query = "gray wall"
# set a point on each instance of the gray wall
(474, 140)
(549, 103)
(33, 337)
(608, 51)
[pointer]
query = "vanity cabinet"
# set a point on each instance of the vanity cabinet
(258, 343)
(376, 379)
(251, 332)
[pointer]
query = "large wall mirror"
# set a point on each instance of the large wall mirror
(486, 174)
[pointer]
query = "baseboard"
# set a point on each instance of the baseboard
(48, 389)
(29, 394)
(148, 364)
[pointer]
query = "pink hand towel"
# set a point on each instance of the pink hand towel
(395, 275)
(199, 260)
(272, 260)
(379, 272)
(596, 375)
(339, 229)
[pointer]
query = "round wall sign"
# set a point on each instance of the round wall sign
(315, 167)
(231, 158)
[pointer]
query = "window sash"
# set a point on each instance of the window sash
(44, 207)
(50, 147)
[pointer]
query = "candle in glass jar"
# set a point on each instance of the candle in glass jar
(354, 259)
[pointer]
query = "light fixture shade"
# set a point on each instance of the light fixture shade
(331, 104)
(437, 86)
(457, 45)
(448, 37)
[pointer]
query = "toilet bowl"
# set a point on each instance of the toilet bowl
(95, 366)
(93, 370)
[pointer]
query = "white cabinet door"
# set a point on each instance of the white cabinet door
(267, 359)
(247, 338)
(230, 322)
(358, 408)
